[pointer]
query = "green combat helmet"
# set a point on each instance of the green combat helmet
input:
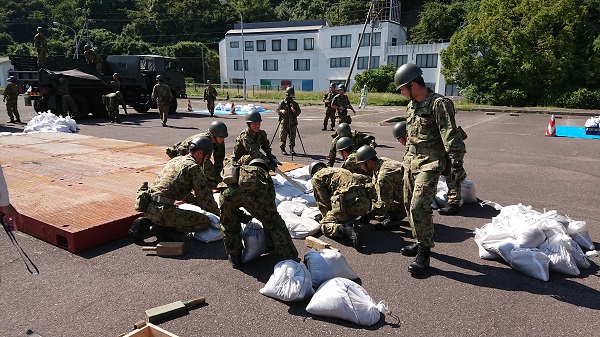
(406, 74)
(365, 153)
(202, 143)
(259, 163)
(290, 91)
(315, 166)
(344, 143)
(342, 87)
(218, 129)
(253, 116)
(399, 130)
(159, 78)
(344, 130)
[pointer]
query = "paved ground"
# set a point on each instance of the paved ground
(102, 292)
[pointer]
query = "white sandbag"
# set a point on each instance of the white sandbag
(441, 196)
(326, 264)
(578, 231)
(485, 254)
(290, 281)
(209, 235)
(291, 207)
(255, 242)
(344, 299)
(528, 234)
(497, 240)
(580, 258)
(311, 213)
(307, 199)
(467, 192)
(558, 248)
(214, 220)
(531, 262)
(300, 227)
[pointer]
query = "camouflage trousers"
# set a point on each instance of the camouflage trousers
(41, 57)
(11, 109)
(163, 110)
(112, 107)
(419, 191)
(454, 189)
(68, 106)
(335, 217)
(286, 130)
(343, 117)
(329, 115)
(276, 232)
(183, 221)
(210, 105)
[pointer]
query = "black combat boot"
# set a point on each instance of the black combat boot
(449, 209)
(410, 250)
(139, 228)
(235, 260)
(421, 262)
(324, 127)
(163, 234)
(387, 224)
(350, 233)
(283, 152)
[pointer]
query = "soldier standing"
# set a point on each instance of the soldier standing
(111, 102)
(341, 197)
(217, 132)
(431, 135)
(288, 111)
(92, 57)
(69, 108)
(358, 138)
(11, 93)
(363, 97)
(341, 104)
(39, 40)
(254, 191)
(182, 179)
(210, 95)
(115, 85)
(250, 141)
(329, 111)
(162, 97)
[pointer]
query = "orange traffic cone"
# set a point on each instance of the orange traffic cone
(551, 129)
(189, 107)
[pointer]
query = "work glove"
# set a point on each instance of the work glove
(458, 171)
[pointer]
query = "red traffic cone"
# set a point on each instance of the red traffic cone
(551, 129)
(189, 107)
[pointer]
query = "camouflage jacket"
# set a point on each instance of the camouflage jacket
(248, 144)
(39, 41)
(331, 181)
(92, 56)
(62, 89)
(11, 91)
(210, 93)
(351, 165)
(341, 100)
(328, 98)
(162, 93)
(183, 148)
(431, 134)
(115, 85)
(388, 180)
(359, 140)
(294, 109)
(183, 179)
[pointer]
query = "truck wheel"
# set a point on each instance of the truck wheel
(141, 108)
(83, 106)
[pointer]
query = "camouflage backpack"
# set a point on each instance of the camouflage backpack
(253, 179)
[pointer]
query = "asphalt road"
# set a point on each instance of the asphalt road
(103, 291)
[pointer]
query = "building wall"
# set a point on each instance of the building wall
(392, 42)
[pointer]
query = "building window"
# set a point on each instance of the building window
(339, 62)
(394, 42)
(249, 45)
(309, 44)
(270, 65)
(261, 45)
(363, 62)
(427, 60)
(301, 64)
(276, 45)
(292, 44)
(365, 41)
(234, 44)
(237, 65)
(340, 41)
(397, 60)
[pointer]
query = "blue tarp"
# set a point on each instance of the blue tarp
(573, 132)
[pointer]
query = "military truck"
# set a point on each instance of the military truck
(137, 76)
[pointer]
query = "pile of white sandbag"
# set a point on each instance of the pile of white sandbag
(536, 243)
(592, 122)
(244, 109)
(49, 122)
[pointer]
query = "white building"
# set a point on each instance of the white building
(310, 55)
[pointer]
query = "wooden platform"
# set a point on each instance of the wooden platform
(78, 192)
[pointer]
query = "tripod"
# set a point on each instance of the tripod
(288, 113)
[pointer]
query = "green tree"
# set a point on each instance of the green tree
(520, 52)
(343, 12)
(438, 20)
(377, 80)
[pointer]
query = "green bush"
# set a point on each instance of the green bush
(580, 99)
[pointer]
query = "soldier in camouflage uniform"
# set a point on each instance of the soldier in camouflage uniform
(11, 93)
(41, 46)
(162, 97)
(341, 197)
(329, 111)
(182, 179)
(288, 108)
(115, 85)
(431, 135)
(217, 132)
(345, 146)
(250, 141)
(259, 201)
(341, 104)
(69, 108)
(111, 102)
(210, 95)
(388, 206)
(92, 57)
(358, 138)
